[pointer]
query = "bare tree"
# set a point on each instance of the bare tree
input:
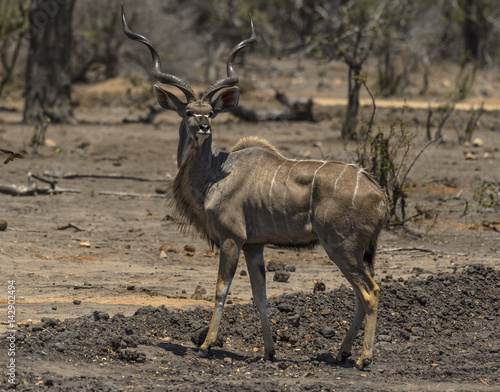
(13, 26)
(96, 40)
(353, 39)
(48, 73)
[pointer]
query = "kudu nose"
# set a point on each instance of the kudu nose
(204, 128)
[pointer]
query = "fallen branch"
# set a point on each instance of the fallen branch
(416, 249)
(110, 193)
(149, 118)
(69, 226)
(112, 176)
(412, 249)
(32, 190)
(51, 183)
(296, 110)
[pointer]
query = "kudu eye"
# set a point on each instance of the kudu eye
(210, 114)
(189, 113)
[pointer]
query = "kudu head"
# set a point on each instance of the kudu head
(197, 114)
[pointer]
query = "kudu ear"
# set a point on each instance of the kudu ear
(226, 100)
(169, 101)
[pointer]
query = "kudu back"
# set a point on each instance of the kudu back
(253, 196)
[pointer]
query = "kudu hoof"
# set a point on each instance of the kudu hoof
(361, 364)
(342, 356)
(203, 353)
(269, 356)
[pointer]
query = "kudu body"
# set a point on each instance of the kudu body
(253, 196)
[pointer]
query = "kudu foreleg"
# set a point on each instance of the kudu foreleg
(256, 269)
(229, 254)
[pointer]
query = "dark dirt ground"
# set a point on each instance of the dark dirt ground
(103, 309)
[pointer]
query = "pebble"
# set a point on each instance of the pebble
(189, 248)
(3, 225)
(281, 276)
(167, 248)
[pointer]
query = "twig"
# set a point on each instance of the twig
(489, 226)
(418, 155)
(412, 249)
(110, 193)
(415, 249)
(112, 176)
(69, 226)
(51, 183)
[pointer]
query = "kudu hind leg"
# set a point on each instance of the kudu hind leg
(229, 254)
(359, 316)
(367, 297)
(256, 269)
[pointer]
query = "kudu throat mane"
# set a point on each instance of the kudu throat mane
(188, 201)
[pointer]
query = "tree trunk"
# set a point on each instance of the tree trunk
(48, 73)
(348, 131)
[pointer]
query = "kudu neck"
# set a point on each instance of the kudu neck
(190, 152)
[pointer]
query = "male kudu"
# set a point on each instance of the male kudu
(253, 196)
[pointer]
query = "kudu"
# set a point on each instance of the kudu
(253, 196)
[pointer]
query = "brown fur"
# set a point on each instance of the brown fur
(190, 214)
(254, 141)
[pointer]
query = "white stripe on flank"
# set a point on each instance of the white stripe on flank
(271, 192)
(311, 196)
(338, 178)
(284, 194)
(357, 185)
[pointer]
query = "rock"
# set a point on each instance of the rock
(3, 225)
(281, 276)
(189, 248)
(77, 302)
(50, 143)
(290, 268)
(199, 292)
(319, 286)
(25, 323)
(84, 244)
(470, 156)
(243, 273)
(275, 265)
(163, 255)
(167, 248)
(162, 190)
(100, 315)
(477, 142)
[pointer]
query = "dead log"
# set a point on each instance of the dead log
(295, 110)
(149, 118)
(111, 176)
(32, 188)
